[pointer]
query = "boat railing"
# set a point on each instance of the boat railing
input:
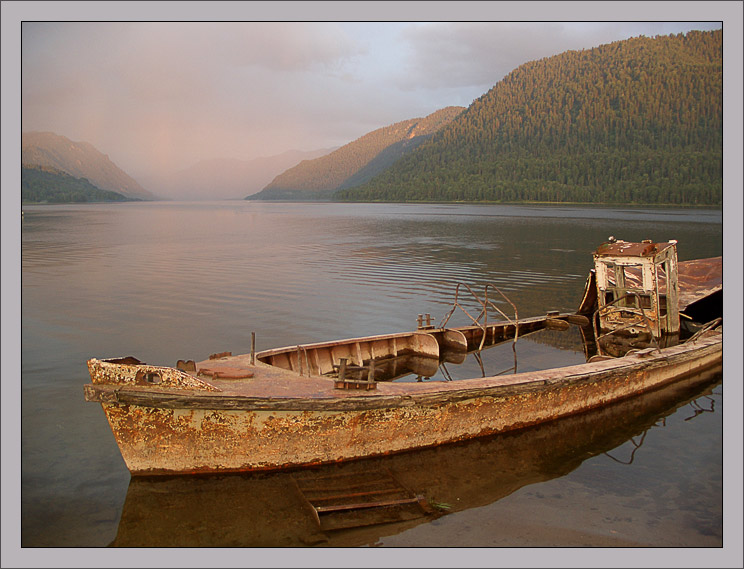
(609, 308)
(485, 303)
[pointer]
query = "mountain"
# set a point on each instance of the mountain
(356, 162)
(225, 178)
(634, 121)
(41, 184)
(79, 160)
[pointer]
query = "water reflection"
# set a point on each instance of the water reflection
(538, 350)
(168, 281)
(274, 509)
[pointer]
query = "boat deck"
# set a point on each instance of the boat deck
(269, 382)
(412, 372)
(393, 366)
(340, 400)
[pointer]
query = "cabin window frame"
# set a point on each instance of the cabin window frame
(657, 294)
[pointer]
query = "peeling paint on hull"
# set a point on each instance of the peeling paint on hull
(266, 509)
(296, 406)
(186, 432)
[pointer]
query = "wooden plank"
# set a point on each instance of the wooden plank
(362, 518)
(364, 505)
(325, 360)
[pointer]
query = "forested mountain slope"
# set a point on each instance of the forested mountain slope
(40, 184)
(79, 160)
(357, 161)
(635, 121)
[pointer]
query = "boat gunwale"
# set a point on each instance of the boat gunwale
(414, 393)
(377, 337)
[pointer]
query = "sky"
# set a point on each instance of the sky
(158, 97)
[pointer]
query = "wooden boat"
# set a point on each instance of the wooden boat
(361, 397)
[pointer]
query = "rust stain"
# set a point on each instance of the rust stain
(192, 440)
(696, 279)
(113, 372)
(281, 408)
(623, 248)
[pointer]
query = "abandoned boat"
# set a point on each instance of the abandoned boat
(356, 503)
(646, 320)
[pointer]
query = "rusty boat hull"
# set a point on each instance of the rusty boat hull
(276, 509)
(337, 401)
(279, 418)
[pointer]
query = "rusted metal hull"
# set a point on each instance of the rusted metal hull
(304, 421)
(267, 510)
(336, 401)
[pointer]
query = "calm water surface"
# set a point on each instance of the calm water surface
(168, 281)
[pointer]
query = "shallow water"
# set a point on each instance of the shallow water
(168, 281)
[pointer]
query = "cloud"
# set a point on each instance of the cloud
(288, 46)
(203, 89)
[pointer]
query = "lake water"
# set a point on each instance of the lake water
(167, 281)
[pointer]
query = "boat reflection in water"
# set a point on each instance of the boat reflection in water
(357, 503)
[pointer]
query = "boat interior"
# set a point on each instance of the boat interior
(637, 297)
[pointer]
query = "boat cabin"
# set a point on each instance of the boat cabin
(637, 288)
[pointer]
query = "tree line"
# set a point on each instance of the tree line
(47, 185)
(635, 121)
(323, 175)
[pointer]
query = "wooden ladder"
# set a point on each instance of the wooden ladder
(355, 499)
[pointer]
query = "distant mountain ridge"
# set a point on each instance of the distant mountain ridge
(634, 121)
(357, 161)
(638, 121)
(79, 160)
